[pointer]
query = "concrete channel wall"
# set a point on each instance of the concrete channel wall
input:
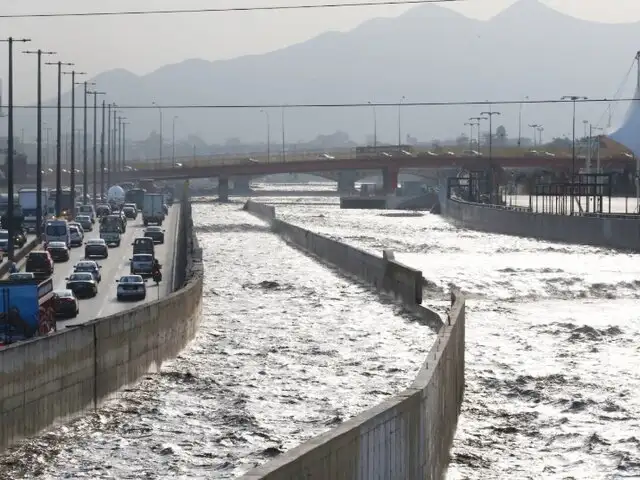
(611, 232)
(51, 378)
(407, 436)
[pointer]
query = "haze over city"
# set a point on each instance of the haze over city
(161, 51)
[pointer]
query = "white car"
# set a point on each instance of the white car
(131, 287)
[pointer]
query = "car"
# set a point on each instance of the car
(40, 264)
(89, 266)
(103, 210)
(66, 304)
(87, 210)
(96, 247)
(130, 212)
(76, 224)
(154, 233)
(85, 222)
(143, 245)
(58, 251)
(21, 277)
(76, 236)
(131, 205)
(131, 287)
(142, 264)
(82, 284)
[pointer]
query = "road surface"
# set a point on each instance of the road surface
(105, 303)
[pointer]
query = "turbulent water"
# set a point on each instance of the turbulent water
(553, 358)
(287, 349)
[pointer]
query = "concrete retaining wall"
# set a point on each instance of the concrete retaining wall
(408, 436)
(51, 378)
(384, 273)
(621, 233)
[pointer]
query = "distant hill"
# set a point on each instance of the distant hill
(428, 53)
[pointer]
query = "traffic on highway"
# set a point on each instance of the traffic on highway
(80, 274)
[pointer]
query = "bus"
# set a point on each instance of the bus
(148, 184)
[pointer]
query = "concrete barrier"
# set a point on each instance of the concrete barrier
(406, 437)
(262, 210)
(409, 435)
(51, 378)
(620, 233)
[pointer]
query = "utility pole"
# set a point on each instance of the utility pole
(10, 152)
(268, 135)
(85, 183)
(39, 206)
(490, 116)
(95, 144)
(102, 192)
(478, 120)
(161, 140)
(573, 99)
(59, 140)
(73, 134)
(470, 124)
(124, 144)
(520, 122)
(284, 154)
(173, 142)
(109, 137)
(400, 123)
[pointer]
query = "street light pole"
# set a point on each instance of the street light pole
(520, 123)
(470, 124)
(400, 123)
(59, 139)
(268, 135)
(73, 135)
(39, 205)
(478, 120)
(124, 144)
(161, 140)
(375, 128)
(102, 152)
(490, 115)
(85, 161)
(95, 144)
(10, 153)
(540, 130)
(573, 99)
(173, 141)
(534, 126)
(109, 137)
(284, 155)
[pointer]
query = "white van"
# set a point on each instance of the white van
(88, 210)
(58, 231)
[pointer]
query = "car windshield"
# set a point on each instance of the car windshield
(153, 229)
(38, 256)
(63, 293)
(80, 277)
(56, 230)
(73, 229)
(86, 266)
(131, 279)
(142, 241)
(142, 258)
(83, 218)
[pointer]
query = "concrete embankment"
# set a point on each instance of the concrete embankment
(51, 378)
(611, 232)
(409, 435)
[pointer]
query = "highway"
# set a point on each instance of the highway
(105, 303)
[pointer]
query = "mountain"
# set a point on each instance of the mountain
(430, 53)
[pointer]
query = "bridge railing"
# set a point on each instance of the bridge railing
(491, 205)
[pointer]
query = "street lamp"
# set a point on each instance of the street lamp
(520, 122)
(470, 124)
(73, 134)
(284, 152)
(591, 129)
(10, 152)
(173, 141)
(540, 130)
(478, 120)
(159, 110)
(124, 143)
(573, 99)
(85, 150)
(534, 126)
(95, 144)
(59, 140)
(400, 123)
(375, 128)
(490, 115)
(39, 205)
(268, 134)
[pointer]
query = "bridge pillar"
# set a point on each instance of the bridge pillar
(346, 181)
(389, 180)
(241, 185)
(223, 189)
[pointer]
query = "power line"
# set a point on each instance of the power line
(224, 10)
(358, 105)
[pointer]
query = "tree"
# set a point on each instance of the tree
(501, 135)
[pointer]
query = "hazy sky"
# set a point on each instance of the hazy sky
(142, 44)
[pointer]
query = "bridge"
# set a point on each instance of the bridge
(347, 165)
